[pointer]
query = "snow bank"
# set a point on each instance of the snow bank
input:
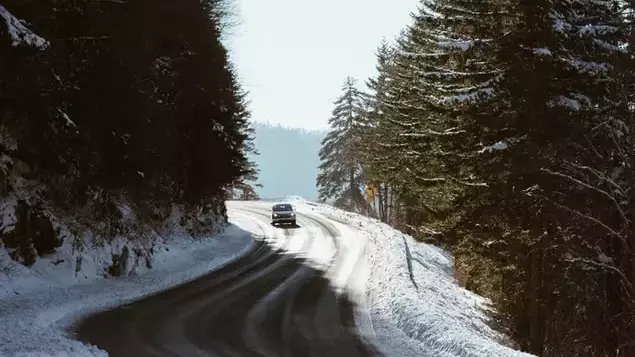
(413, 296)
(20, 34)
(39, 303)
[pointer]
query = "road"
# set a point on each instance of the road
(281, 299)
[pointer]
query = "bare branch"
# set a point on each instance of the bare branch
(593, 188)
(612, 268)
(586, 217)
(593, 147)
(599, 175)
(84, 38)
(427, 132)
(472, 184)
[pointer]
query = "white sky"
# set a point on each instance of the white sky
(293, 55)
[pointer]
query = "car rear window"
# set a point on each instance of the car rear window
(282, 208)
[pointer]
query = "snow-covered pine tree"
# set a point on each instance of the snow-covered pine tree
(511, 125)
(444, 80)
(340, 176)
(374, 131)
(571, 104)
(555, 161)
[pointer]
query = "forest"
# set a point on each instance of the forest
(287, 160)
(116, 109)
(502, 130)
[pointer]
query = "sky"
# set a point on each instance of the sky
(294, 55)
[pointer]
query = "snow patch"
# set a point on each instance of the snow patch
(565, 102)
(594, 30)
(498, 146)
(604, 259)
(66, 118)
(5, 162)
(469, 97)
(462, 45)
(7, 142)
(559, 25)
(20, 34)
(38, 303)
(542, 52)
(7, 214)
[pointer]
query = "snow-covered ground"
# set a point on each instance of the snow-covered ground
(415, 305)
(37, 304)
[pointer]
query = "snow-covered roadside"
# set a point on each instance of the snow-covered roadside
(33, 323)
(417, 307)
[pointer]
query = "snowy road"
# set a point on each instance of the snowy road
(289, 296)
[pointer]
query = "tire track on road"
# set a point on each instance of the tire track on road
(266, 304)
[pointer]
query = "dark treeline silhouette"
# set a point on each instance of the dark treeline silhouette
(129, 102)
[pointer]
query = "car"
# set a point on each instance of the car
(283, 213)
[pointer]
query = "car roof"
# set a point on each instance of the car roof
(282, 204)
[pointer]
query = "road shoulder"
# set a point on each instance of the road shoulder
(36, 321)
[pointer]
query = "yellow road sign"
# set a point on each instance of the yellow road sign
(371, 192)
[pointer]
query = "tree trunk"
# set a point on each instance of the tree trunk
(351, 190)
(535, 303)
(385, 204)
(390, 210)
(615, 303)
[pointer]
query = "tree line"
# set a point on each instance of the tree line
(117, 101)
(503, 130)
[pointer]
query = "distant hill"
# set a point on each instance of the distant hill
(288, 160)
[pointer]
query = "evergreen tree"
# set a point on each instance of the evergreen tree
(374, 131)
(507, 133)
(340, 177)
(121, 101)
(248, 180)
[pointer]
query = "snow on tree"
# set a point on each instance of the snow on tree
(19, 33)
(374, 131)
(124, 107)
(507, 128)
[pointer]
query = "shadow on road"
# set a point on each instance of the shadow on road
(286, 225)
(264, 303)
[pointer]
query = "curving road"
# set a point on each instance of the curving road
(279, 300)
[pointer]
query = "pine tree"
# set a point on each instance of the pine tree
(511, 127)
(373, 131)
(121, 105)
(248, 179)
(564, 154)
(340, 177)
(438, 76)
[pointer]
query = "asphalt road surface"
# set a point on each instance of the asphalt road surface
(268, 303)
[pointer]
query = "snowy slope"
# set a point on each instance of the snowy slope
(416, 306)
(38, 303)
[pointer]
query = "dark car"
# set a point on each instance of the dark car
(283, 213)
